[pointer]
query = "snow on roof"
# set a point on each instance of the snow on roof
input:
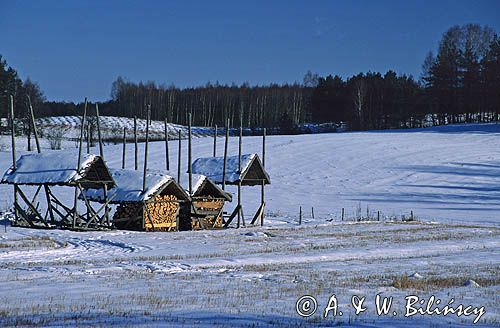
(199, 183)
(129, 187)
(54, 168)
(213, 168)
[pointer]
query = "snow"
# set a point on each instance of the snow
(54, 168)
(213, 167)
(129, 185)
(449, 177)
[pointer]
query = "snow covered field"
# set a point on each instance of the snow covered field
(448, 176)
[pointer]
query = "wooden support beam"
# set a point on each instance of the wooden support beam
(189, 156)
(124, 148)
(14, 157)
(35, 132)
(99, 136)
(49, 205)
(215, 140)
(179, 156)
(240, 141)
(89, 138)
(232, 216)
(31, 206)
(146, 151)
(258, 214)
(136, 154)
(167, 155)
(225, 156)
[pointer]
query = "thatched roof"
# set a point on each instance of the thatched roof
(59, 168)
(252, 172)
(129, 187)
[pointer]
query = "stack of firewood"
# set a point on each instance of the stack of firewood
(161, 214)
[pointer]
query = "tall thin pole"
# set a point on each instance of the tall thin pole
(124, 147)
(101, 148)
(146, 151)
(239, 173)
(189, 156)
(12, 130)
(89, 139)
(35, 132)
(80, 146)
(225, 156)
(167, 155)
(82, 129)
(262, 201)
(215, 140)
(179, 155)
(136, 155)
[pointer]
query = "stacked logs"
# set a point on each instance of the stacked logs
(212, 209)
(161, 213)
(128, 216)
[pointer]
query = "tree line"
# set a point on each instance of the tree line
(461, 83)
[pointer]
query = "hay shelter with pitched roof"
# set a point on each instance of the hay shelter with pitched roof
(156, 208)
(57, 169)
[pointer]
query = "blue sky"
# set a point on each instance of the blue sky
(76, 49)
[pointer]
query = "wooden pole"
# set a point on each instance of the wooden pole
(189, 157)
(179, 156)
(239, 172)
(80, 146)
(225, 156)
(82, 129)
(167, 155)
(262, 201)
(12, 130)
(136, 155)
(146, 151)
(378, 215)
(300, 215)
(106, 206)
(342, 214)
(312, 212)
(99, 136)
(35, 132)
(124, 147)
(215, 140)
(89, 139)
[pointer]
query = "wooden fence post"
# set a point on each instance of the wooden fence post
(124, 146)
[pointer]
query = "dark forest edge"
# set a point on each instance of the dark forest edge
(460, 84)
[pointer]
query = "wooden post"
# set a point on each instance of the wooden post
(89, 139)
(167, 155)
(35, 132)
(146, 151)
(179, 156)
(135, 142)
(106, 206)
(215, 140)
(99, 136)
(80, 147)
(378, 215)
(312, 212)
(300, 215)
(411, 215)
(225, 156)
(124, 147)
(262, 201)
(239, 172)
(189, 157)
(342, 214)
(82, 129)
(13, 134)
